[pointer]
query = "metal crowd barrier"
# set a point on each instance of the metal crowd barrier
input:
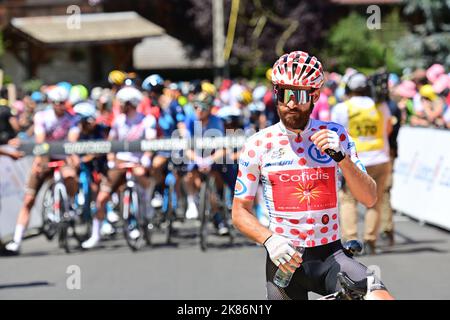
(102, 147)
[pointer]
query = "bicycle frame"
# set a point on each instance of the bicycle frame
(84, 197)
(171, 181)
(59, 191)
(132, 208)
(62, 216)
(130, 193)
(208, 196)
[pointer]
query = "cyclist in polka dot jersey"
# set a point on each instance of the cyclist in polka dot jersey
(300, 183)
(297, 161)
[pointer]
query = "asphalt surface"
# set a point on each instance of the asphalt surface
(415, 268)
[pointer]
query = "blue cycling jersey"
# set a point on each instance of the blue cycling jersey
(170, 117)
(214, 126)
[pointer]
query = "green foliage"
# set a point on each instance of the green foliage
(428, 42)
(32, 85)
(351, 43)
(7, 79)
(260, 71)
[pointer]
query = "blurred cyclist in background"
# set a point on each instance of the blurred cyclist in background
(103, 100)
(153, 87)
(90, 130)
(54, 124)
(93, 164)
(130, 125)
(170, 117)
(203, 125)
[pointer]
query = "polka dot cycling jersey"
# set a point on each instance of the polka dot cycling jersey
(299, 182)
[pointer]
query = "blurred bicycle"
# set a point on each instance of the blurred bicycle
(214, 207)
(58, 216)
(137, 227)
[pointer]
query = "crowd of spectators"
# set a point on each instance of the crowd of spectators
(420, 98)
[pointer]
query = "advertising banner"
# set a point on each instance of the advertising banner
(13, 177)
(421, 185)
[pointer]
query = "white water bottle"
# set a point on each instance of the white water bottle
(282, 279)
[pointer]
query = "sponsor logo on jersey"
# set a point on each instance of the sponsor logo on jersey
(278, 154)
(304, 176)
(304, 189)
(239, 188)
(317, 156)
(279, 163)
(350, 145)
(244, 163)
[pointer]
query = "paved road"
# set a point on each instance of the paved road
(415, 268)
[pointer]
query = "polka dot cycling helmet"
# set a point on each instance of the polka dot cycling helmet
(298, 68)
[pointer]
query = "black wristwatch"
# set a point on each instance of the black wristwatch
(336, 156)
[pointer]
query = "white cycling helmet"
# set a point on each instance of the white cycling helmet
(57, 94)
(96, 93)
(85, 110)
(231, 116)
(356, 81)
(298, 69)
(129, 94)
(229, 111)
(257, 106)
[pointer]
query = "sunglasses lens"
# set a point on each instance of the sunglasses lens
(299, 96)
(200, 107)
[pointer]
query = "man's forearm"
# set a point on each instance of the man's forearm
(249, 225)
(361, 185)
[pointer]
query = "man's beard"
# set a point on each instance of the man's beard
(297, 120)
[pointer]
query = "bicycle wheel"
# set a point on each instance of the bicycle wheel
(148, 228)
(205, 213)
(170, 214)
(49, 226)
(131, 230)
(63, 236)
(63, 224)
(146, 223)
(181, 208)
(81, 229)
